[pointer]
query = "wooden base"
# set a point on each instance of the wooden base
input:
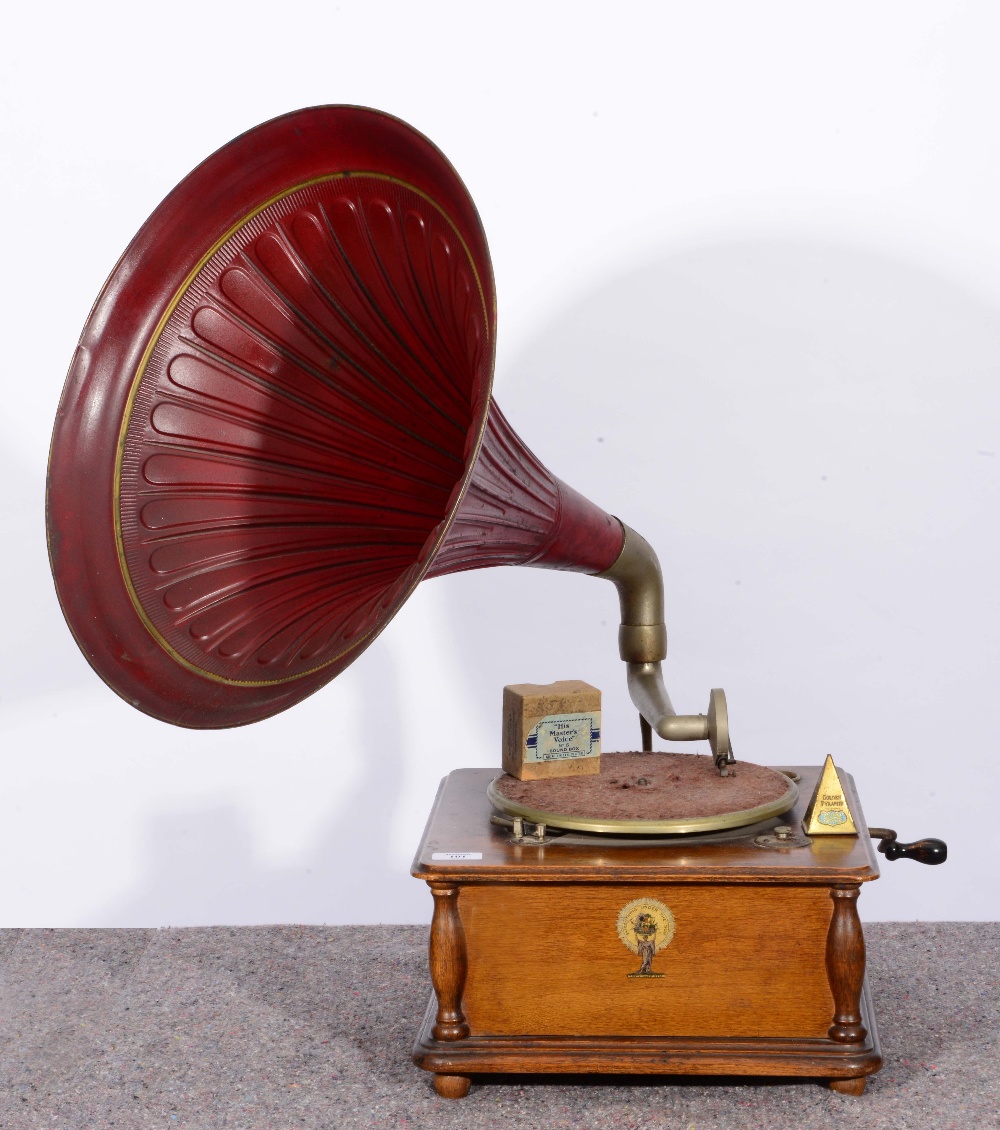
(646, 957)
(843, 1067)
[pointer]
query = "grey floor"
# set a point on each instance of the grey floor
(274, 1028)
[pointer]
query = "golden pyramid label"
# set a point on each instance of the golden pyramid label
(828, 812)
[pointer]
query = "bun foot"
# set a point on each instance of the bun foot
(457, 1086)
(845, 1086)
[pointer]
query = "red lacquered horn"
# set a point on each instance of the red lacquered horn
(278, 421)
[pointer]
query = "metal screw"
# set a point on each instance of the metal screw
(783, 832)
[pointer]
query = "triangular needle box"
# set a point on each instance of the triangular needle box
(828, 812)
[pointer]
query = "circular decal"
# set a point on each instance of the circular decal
(645, 926)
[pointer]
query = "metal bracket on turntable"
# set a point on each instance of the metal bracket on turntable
(782, 838)
(541, 834)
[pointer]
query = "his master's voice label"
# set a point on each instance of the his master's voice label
(561, 737)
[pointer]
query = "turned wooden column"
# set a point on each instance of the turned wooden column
(845, 966)
(448, 963)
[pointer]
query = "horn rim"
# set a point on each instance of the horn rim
(103, 617)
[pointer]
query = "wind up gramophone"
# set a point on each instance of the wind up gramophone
(277, 423)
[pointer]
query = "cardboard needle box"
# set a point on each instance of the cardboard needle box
(551, 729)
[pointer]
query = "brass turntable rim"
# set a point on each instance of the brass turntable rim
(679, 825)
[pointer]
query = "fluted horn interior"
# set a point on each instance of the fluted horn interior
(279, 420)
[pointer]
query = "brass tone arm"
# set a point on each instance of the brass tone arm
(642, 644)
(649, 694)
(642, 637)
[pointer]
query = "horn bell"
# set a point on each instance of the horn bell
(278, 421)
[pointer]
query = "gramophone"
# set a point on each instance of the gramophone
(277, 423)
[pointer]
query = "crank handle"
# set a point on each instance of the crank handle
(929, 851)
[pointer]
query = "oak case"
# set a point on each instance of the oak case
(764, 974)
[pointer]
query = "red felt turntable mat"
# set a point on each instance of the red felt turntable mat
(652, 788)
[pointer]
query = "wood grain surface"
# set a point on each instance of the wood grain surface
(652, 1055)
(743, 961)
(763, 972)
(845, 964)
(460, 822)
(447, 957)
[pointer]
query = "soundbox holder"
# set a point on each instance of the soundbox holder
(580, 955)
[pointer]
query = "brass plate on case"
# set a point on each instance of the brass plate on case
(677, 826)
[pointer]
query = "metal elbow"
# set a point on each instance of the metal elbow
(642, 637)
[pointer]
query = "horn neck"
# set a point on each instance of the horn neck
(516, 512)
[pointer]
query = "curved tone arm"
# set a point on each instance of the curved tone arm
(642, 643)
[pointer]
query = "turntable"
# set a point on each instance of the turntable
(277, 423)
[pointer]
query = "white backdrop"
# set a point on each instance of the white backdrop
(747, 258)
